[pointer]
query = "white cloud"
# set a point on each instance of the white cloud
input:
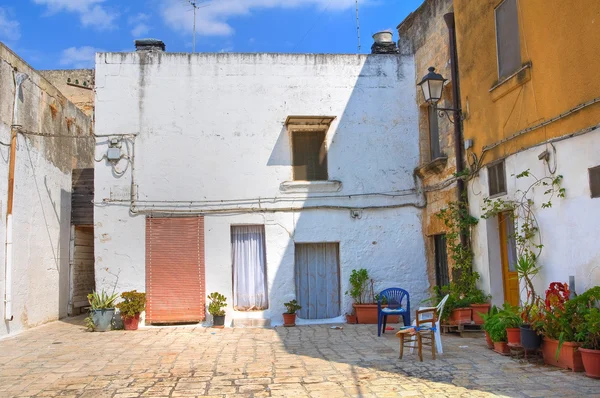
(9, 29)
(140, 24)
(79, 57)
(91, 12)
(213, 19)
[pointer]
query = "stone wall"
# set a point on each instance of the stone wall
(424, 34)
(77, 85)
(42, 192)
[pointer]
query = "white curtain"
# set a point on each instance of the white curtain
(249, 267)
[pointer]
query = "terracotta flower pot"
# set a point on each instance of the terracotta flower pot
(591, 362)
(477, 309)
(569, 356)
(351, 319)
(289, 320)
(367, 314)
(131, 323)
(489, 341)
(501, 347)
(513, 335)
(460, 316)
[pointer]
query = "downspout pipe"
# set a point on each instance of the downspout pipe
(458, 133)
(8, 258)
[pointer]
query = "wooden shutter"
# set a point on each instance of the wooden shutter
(175, 270)
(309, 156)
(317, 269)
(441, 260)
(594, 173)
(434, 133)
(508, 43)
(82, 208)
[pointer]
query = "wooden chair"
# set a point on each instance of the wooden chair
(423, 332)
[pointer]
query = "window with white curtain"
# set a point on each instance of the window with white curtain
(249, 267)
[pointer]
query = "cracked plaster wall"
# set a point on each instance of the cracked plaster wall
(42, 194)
(211, 127)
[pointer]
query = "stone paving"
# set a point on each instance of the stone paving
(61, 359)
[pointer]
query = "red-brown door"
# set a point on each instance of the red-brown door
(175, 270)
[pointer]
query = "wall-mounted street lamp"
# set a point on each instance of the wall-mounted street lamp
(432, 85)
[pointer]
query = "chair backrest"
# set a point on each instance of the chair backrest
(440, 306)
(394, 297)
(429, 320)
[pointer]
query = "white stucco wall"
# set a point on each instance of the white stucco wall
(211, 127)
(42, 195)
(569, 229)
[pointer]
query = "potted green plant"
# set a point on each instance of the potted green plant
(365, 301)
(351, 318)
(588, 330)
(511, 319)
(102, 311)
(216, 308)
(480, 305)
(289, 316)
(531, 311)
(488, 320)
(497, 330)
(131, 307)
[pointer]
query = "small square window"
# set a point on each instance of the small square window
(309, 155)
(595, 181)
(497, 179)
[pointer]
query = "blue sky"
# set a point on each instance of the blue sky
(64, 34)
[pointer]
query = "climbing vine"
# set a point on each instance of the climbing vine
(527, 236)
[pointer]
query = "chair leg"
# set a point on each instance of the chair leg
(384, 323)
(420, 346)
(401, 345)
(433, 344)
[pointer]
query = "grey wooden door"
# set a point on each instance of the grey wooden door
(318, 280)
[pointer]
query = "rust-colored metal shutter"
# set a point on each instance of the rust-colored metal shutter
(175, 270)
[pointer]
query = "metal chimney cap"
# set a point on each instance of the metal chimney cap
(149, 45)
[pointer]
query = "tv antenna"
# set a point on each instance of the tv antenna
(357, 27)
(195, 5)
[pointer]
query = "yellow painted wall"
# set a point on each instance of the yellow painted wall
(561, 39)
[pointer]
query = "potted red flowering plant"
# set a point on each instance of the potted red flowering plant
(560, 347)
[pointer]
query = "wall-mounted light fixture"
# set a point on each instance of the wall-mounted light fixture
(432, 85)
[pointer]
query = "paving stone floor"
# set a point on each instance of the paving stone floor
(61, 359)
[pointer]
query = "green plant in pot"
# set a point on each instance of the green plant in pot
(131, 307)
(588, 330)
(496, 328)
(216, 308)
(362, 292)
(102, 311)
(488, 320)
(289, 316)
(511, 319)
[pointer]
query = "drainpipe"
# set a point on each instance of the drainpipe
(458, 135)
(8, 259)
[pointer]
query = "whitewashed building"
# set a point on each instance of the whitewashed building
(265, 177)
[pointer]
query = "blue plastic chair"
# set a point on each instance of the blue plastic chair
(398, 303)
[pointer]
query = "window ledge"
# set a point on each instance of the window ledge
(310, 186)
(508, 84)
(436, 166)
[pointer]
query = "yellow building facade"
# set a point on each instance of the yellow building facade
(530, 95)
